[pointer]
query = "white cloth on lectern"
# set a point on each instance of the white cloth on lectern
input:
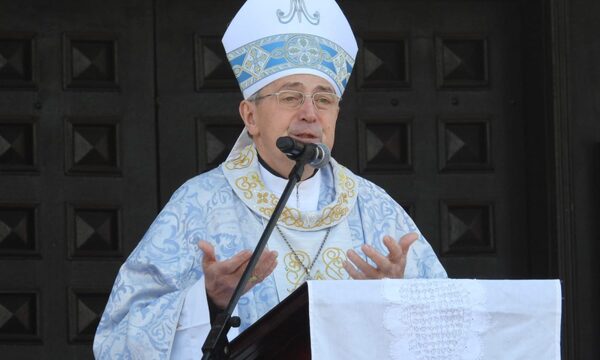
(435, 319)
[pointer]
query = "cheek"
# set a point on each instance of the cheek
(329, 132)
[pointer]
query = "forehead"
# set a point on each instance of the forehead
(301, 82)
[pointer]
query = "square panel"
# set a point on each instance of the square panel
(92, 146)
(19, 317)
(85, 310)
(467, 228)
(18, 145)
(17, 61)
(383, 63)
(385, 145)
(90, 61)
(212, 67)
(18, 235)
(94, 231)
(465, 143)
(215, 138)
(462, 61)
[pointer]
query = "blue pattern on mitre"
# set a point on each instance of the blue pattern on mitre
(268, 40)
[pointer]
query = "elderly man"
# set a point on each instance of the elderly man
(292, 69)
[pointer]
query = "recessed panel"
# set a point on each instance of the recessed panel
(467, 228)
(462, 61)
(90, 61)
(385, 145)
(17, 230)
(17, 144)
(17, 59)
(212, 67)
(18, 317)
(94, 231)
(92, 146)
(465, 144)
(85, 311)
(216, 137)
(383, 63)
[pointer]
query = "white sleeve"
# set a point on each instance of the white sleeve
(194, 324)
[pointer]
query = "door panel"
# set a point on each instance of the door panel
(78, 170)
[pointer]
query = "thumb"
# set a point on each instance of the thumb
(209, 252)
(407, 240)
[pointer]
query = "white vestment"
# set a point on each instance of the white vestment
(229, 207)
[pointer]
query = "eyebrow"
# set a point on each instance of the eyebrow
(296, 85)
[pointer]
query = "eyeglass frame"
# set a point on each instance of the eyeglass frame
(257, 97)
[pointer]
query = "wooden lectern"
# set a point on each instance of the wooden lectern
(282, 333)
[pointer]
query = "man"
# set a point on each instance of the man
(292, 69)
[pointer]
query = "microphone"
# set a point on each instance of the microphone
(318, 155)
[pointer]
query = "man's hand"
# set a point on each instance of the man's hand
(391, 266)
(222, 277)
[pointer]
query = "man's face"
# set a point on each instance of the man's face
(266, 120)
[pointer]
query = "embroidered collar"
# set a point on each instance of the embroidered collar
(243, 174)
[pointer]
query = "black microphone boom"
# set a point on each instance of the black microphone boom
(317, 155)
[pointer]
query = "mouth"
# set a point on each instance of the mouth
(306, 137)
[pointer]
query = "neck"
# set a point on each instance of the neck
(308, 170)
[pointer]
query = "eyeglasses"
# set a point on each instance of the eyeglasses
(293, 100)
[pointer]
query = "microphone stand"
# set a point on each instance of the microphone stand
(216, 345)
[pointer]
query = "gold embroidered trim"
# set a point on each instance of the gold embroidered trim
(251, 187)
(248, 183)
(243, 160)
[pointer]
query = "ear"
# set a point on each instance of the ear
(247, 113)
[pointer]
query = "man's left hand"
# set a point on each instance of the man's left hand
(391, 266)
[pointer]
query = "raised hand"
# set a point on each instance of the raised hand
(222, 277)
(390, 266)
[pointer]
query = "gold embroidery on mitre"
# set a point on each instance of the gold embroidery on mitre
(248, 183)
(334, 258)
(243, 160)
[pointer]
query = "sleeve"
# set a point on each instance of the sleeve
(143, 310)
(194, 324)
(380, 216)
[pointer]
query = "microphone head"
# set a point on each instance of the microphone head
(323, 155)
(290, 147)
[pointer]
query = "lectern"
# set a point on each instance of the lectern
(410, 319)
(283, 333)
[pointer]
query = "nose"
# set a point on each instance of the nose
(308, 110)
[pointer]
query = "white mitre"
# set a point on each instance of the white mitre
(270, 39)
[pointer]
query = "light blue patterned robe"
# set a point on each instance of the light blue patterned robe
(142, 313)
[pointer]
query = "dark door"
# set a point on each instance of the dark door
(78, 183)
(91, 125)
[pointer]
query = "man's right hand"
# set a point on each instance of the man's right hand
(222, 277)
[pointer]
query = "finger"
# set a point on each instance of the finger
(368, 270)
(407, 240)
(261, 273)
(351, 270)
(235, 263)
(394, 248)
(383, 263)
(209, 252)
(265, 263)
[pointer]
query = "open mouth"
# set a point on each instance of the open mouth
(305, 137)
